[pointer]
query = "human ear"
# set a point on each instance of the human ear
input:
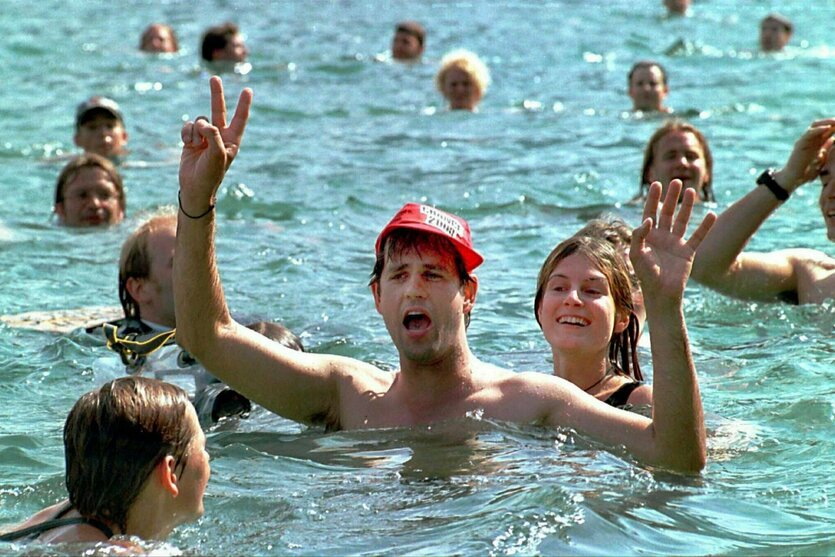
(470, 290)
(136, 288)
(58, 209)
(165, 472)
(375, 291)
(621, 322)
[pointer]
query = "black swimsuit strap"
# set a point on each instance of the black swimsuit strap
(37, 529)
(621, 396)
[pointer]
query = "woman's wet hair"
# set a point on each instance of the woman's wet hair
(135, 259)
(649, 156)
(92, 160)
(115, 436)
(404, 240)
(623, 347)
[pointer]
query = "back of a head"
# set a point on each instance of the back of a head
(135, 257)
(279, 333)
(113, 438)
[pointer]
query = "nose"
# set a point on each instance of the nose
(416, 287)
(572, 297)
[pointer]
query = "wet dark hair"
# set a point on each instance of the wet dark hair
(623, 347)
(115, 436)
(82, 161)
(649, 156)
(135, 259)
(216, 38)
(404, 240)
(646, 64)
(412, 28)
(279, 333)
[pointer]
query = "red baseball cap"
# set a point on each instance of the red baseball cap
(429, 219)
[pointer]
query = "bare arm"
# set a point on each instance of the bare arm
(675, 437)
(296, 385)
(720, 262)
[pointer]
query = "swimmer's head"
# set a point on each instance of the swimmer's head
(415, 228)
(100, 127)
(89, 192)
(775, 32)
(408, 41)
(647, 81)
(114, 438)
(159, 37)
(145, 265)
(605, 258)
(678, 150)
(223, 43)
(677, 7)
(462, 79)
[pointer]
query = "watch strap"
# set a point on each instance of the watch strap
(767, 179)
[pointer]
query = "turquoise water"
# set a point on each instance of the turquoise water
(337, 142)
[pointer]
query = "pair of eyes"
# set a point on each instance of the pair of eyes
(428, 275)
(689, 155)
(590, 289)
(87, 195)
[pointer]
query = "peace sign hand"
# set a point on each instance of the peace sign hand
(210, 148)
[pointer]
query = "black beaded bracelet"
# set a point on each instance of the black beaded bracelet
(767, 179)
(200, 216)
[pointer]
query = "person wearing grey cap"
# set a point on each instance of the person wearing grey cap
(100, 128)
(775, 32)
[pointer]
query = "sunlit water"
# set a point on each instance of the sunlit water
(337, 142)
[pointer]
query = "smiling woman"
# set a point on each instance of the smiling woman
(678, 150)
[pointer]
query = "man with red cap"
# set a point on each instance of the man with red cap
(424, 289)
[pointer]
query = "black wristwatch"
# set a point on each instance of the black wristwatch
(767, 179)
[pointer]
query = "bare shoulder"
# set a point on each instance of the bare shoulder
(356, 374)
(816, 275)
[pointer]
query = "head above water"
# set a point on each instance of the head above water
(141, 270)
(678, 150)
(223, 43)
(408, 41)
(775, 32)
(116, 435)
(462, 79)
(159, 37)
(89, 192)
(605, 258)
(416, 227)
(648, 87)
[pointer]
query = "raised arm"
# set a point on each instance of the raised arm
(720, 262)
(675, 436)
(296, 385)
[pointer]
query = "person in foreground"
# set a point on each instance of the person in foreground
(136, 465)
(799, 276)
(424, 289)
(584, 306)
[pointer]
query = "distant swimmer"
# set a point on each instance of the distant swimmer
(159, 38)
(795, 275)
(775, 32)
(676, 7)
(462, 79)
(678, 150)
(648, 86)
(100, 128)
(424, 288)
(407, 45)
(224, 43)
(89, 192)
(136, 465)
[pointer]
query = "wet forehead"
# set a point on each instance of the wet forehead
(579, 266)
(647, 73)
(682, 141)
(89, 177)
